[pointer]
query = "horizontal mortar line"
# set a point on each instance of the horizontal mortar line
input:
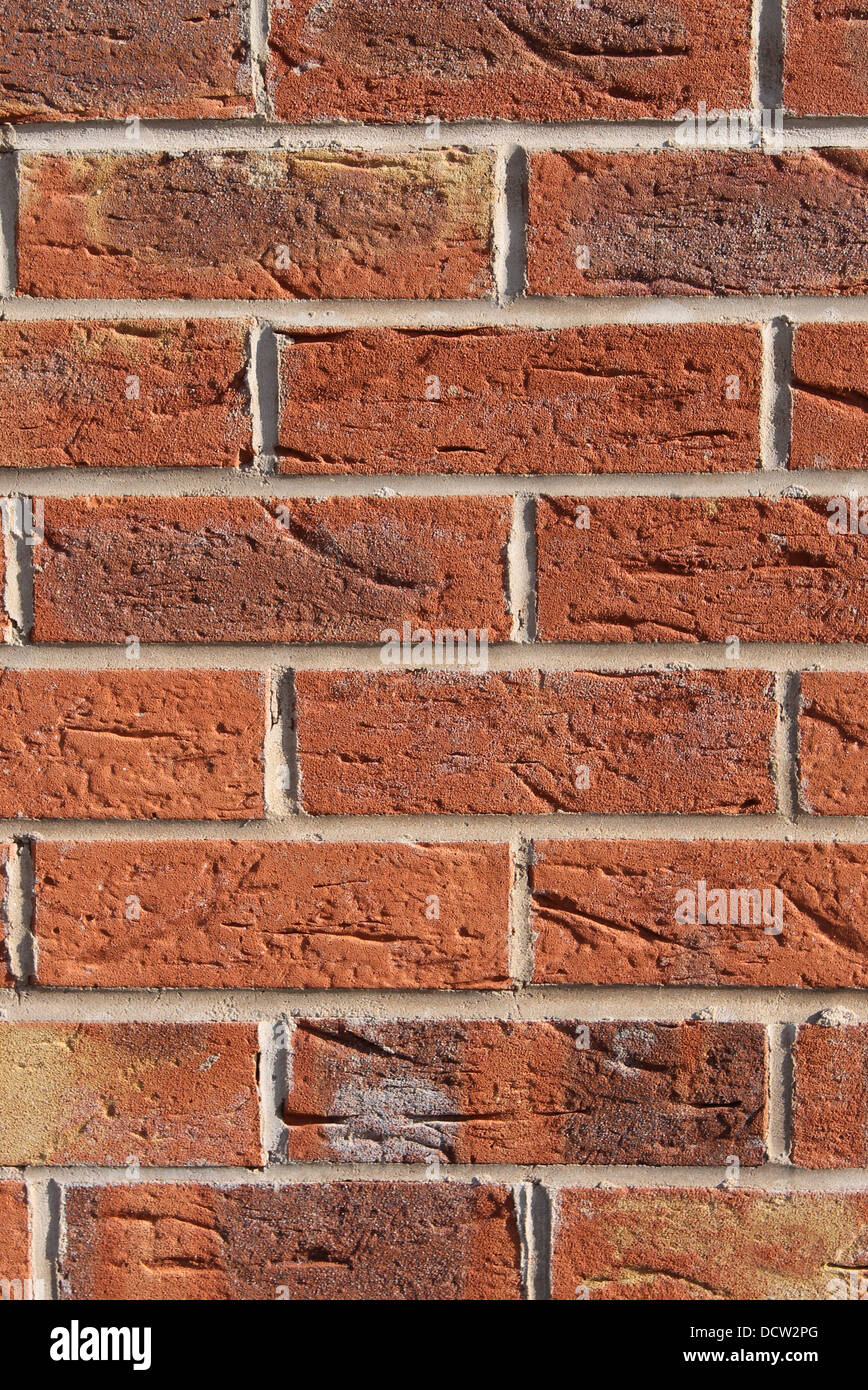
(668, 1003)
(503, 657)
(452, 829)
(254, 133)
(141, 482)
(525, 311)
(774, 1178)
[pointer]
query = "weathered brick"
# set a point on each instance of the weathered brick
(637, 399)
(520, 742)
(830, 1097)
(117, 1093)
(107, 58)
(604, 913)
(697, 570)
(116, 395)
(291, 916)
(699, 223)
(826, 58)
(520, 59)
(14, 1241)
(220, 226)
(492, 1092)
(707, 1243)
(207, 569)
(341, 1241)
(830, 396)
(130, 744)
(833, 744)
(6, 977)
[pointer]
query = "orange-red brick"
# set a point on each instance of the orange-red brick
(206, 914)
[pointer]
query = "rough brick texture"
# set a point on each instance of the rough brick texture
(577, 400)
(699, 570)
(123, 395)
(208, 570)
(526, 1092)
(520, 59)
(6, 977)
(204, 914)
(707, 1244)
(14, 1236)
(833, 744)
(131, 744)
(256, 226)
(630, 913)
(698, 223)
(107, 58)
(118, 1094)
(830, 396)
(830, 1097)
(377, 1240)
(826, 58)
(528, 742)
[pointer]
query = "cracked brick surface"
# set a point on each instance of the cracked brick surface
(697, 570)
(519, 59)
(107, 58)
(830, 396)
(338, 1241)
(124, 395)
(131, 744)
(491, 1092)
(330, 225)
(833, 744)
(606, 913)
(211, 914)
(706, 223)
(511, 401)
(707, 1244)
(214, 570)
(527, 742)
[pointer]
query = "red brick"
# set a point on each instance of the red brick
(113, 1093)
(604, 914)
(512, 743)
(341, 1241)
(491, 1092)
(131, 744)
(645, 399)
(6, 977)
(699, 223)
(830, 1097)
(664, 1245)
(826, 58)
(112, 59)
(291, 916)
(519, 59)
(206, 569)
(64, 401)
(355, 225)
(697, 570)
(14, 1240)
(830, 396)
(833, 744)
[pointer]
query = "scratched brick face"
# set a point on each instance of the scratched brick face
(433, 684)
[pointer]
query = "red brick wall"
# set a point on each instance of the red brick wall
(434, 701)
